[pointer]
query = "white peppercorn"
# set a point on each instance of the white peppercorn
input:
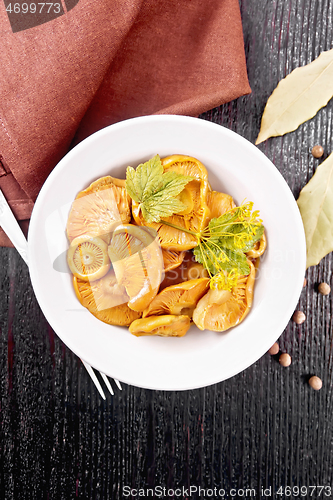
(324, 288)
(317, 151)
(299, 317)
(274, 349)
(285, 359)
(315, 382)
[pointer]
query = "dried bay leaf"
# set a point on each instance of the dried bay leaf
(316, 206)
(298, 97)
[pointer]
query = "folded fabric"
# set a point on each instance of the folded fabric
(96, 63)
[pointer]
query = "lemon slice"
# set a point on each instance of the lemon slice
(88, 258)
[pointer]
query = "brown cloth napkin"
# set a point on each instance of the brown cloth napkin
(99, 62)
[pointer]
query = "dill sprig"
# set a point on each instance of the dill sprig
(222, 245)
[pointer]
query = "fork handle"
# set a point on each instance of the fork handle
(11, 227)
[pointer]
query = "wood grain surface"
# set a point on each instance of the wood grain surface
(264, 428)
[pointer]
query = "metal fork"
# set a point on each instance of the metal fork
(11, 227)
(96, 381)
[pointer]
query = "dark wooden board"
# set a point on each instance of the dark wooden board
(263, 428)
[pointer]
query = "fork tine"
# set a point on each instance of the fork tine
(118, 384)
(107, 383)
(94, 378)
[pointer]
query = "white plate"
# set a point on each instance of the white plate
(236, 167)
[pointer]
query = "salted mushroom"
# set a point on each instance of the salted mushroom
(219, 203)
(180, 299)
(258, 248)
(172, 259)
(88, 258)
(196, 213)
(138, 263)
(220, 310)
(106, 300)
(98, 209)
(189, 269)
(165, 326)
(118, 186)
(174, 276)
(195, 270)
